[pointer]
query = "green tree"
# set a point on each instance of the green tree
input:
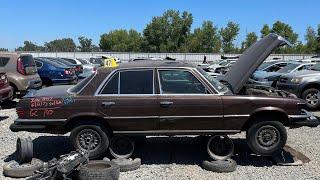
(30, 46)
(311, 40)
(228, 35)
(251, 38)
(167, 33)
(85, 44)
(318, 38)
(204, 39)
(265, 30)
(61, 45)
(4, 49)
(121, 40)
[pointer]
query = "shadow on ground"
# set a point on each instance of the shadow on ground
(155, 150)
(9, 104)
(3, 118)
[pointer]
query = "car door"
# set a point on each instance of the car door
(128, 101)
(186, 104)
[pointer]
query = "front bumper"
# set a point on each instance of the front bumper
(262, 83)
(306, 118)
(292, 88)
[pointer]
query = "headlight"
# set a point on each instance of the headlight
(296, 80)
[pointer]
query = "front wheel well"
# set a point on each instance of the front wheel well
(309, 86)
(266, 116)
(82, 120)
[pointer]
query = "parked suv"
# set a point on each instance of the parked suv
(165, 98)
(304, 84)
(52, 73)
(21, 71)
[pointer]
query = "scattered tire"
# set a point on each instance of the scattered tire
(128, 164)
(311, 96)
(92, 135)
(220, 147)
(220, 166)
(15, 170)
(121, 147)
(24, 150)
(99, 170)
(267, 137)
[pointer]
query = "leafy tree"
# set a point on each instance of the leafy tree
(4, 49)
(85, 44)
(250, 39)
(285, 30)
(228, 35)
(318, 38)
(311, 40)
(204, 39)
(30, 46)
(167, 33)
(61, 45)
(265, 30)
(121, 41)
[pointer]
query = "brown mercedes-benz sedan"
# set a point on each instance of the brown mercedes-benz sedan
(165, 98)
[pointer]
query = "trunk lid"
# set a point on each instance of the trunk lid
(53, 91)
(250, 60)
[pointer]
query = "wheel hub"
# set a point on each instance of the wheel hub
(268, 136)
(89, 139)
(312, 98)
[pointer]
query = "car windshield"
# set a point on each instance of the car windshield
(288, 68)
(265, 65)
(215, 83)
(224, 63)
(83, 61)
(316, 67)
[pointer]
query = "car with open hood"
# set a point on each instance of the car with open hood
(165, 98)
(304, 84)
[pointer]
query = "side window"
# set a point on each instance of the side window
(112, 85)
(180, 82)
(4, 61)
(283, 65)
(302, 68)
(136, 82)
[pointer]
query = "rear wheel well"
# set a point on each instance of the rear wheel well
(266, 116)
(83, 120)
(309, 86)
(15, 88)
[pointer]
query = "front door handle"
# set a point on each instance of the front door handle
(108, 104)
(165, 104)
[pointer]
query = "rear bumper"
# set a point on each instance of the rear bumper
(54, 126)
(65, 81)
(6, 93)
(306, 118)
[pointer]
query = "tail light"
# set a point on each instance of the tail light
(67, 72)
(20, 67)
(94, 69)
(20, 112)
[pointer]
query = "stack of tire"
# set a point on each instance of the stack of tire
(220, 149)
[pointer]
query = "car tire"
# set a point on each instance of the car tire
(266, 138)
(99, 170)
(220, 166)
(311, 96)
(80, 138)
(121, 147)
(16, 170)
(128, 164)
(24, 150)
(220, 147)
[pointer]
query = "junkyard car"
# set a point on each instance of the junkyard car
(165, 98)
(304, 84)
(271, 78)
(6, 91)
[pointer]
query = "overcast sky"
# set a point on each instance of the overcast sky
(44, 20)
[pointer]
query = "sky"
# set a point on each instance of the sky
(41, 21)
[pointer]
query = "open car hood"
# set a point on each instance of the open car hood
(250, 60)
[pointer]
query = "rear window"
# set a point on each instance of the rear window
(27, 61)
(78, 87)
(4, 61)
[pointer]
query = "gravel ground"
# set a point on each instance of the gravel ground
(178, 158)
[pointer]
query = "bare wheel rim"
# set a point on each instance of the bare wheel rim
(121, 147)
(268, 136)
(89, 138)
(220, 147)
(313, 98)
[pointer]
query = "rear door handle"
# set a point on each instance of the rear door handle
(165, 104)
(108, 104)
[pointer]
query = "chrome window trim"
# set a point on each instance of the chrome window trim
(190, 70)
(110, 76)
(94, 75)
